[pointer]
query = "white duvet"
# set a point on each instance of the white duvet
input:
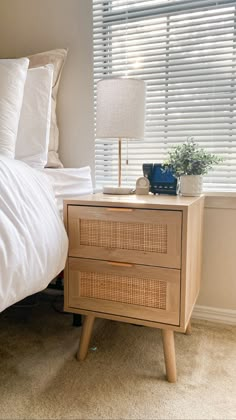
(33, 241)
(69, 183)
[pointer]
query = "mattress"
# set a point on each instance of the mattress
(69, 183)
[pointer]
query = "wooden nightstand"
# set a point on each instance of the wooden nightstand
(134, 259)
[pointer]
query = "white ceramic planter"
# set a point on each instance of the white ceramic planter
(191, 185)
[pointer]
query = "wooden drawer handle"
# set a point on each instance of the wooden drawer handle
(118, 209)
(120, 264)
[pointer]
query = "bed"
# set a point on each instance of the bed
(69, 183)
(33, 183)
(33, 241)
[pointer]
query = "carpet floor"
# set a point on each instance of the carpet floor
(123, 375)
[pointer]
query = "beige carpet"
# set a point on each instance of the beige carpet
(122, 379)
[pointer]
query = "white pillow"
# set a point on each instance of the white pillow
(34, 126)
(57, 58)
(13, 74)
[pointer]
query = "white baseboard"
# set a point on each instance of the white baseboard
(208, 313)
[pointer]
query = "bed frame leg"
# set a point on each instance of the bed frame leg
(77, 320)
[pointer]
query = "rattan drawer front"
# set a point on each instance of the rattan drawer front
(150, 237)
(124, 289)
(134, 291)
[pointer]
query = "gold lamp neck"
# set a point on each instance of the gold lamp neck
(119, 164)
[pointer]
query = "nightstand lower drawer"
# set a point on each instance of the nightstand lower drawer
(130, 290)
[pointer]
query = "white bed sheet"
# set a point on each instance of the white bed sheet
(69, 183)
(33, 240)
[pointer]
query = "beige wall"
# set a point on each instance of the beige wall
(29, 26)
(218, 288)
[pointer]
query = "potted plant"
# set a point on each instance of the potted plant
(189, 163)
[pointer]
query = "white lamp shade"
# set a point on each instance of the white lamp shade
(120, 108)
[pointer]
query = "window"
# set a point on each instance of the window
(185, 50)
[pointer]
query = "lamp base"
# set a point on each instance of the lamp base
(118, 190)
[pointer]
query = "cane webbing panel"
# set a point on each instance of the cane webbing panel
(133, 236)
(123, 289)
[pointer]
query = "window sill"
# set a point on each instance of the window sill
(220, 200)
(219, 194)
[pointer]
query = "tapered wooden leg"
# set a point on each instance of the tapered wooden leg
(169, 353)
(85, 337)
(188, 329)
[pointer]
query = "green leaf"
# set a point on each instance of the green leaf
(189, 159)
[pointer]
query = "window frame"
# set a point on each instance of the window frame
(127, 15)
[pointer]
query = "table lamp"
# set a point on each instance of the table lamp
(120, 114)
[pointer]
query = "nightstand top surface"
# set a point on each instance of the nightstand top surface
(135, 201)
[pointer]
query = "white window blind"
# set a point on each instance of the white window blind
(185, 50)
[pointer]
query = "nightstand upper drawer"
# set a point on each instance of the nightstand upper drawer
(151, 237)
